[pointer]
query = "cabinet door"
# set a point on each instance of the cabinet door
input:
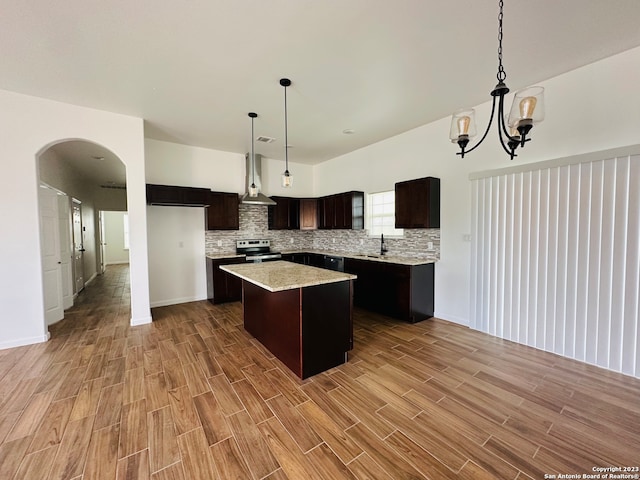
(327, 212)
(222, 286)
(164, 195)
(294, 214)
(308, 214)
(342, 210)
(222, 212)
(285, 214)
(418, 203)
(279, 214)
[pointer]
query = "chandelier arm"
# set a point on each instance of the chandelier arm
(504, 147)
(502, 128)
(502, 123)
(486, 132)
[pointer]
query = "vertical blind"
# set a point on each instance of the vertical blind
(556, 260)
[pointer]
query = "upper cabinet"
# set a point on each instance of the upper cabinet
(173, 195)
(285, 214)
(222, 213)
(293, 214)
(308, 213)
(418, 203)
(342, 210)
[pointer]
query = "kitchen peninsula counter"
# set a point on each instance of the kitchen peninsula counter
(301, 314)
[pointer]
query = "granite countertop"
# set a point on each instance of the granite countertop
(220, 256)
(359, 256)
(374, 258)
(280, 275)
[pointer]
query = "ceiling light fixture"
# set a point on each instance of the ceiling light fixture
(287, 178)
(253, 190)
(527, 110)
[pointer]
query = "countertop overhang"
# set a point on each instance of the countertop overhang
(282, 275)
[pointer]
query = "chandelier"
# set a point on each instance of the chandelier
(526, 111)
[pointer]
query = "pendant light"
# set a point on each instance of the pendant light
(253, 190)
(287, 178)
(253, 195)
(526, 111)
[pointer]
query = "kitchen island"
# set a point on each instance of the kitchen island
(301, 314)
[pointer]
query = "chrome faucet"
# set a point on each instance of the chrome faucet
(383, 247)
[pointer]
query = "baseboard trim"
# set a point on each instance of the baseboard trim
(140, 321)
(21, 342)
(452, 318)
(176, 301)
(91, 279)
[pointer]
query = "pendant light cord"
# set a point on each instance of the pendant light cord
(502, 75)
(286, 139)
(253, 156)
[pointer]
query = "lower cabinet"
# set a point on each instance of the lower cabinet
(400, 291)
(222, 286)
(305, 258)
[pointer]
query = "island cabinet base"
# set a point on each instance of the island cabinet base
(308, 329)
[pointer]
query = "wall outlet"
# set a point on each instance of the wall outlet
(219, 243)
(466, 237)
(429, 245)
(291, 241)
(333, 240)
(361, 241)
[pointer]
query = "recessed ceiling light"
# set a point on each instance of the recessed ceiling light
(348, 131)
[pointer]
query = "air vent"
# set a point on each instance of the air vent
(264, 139)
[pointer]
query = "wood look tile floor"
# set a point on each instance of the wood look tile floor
(193, 396)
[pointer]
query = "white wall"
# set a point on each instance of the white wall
(177, 268)
(115, 251)
(28, 126)
(175, 164)
(590, 109)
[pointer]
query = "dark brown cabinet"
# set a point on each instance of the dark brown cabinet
(342, 211)
(222, 212)
(293, 214)
(308, 214)
(222, 286)
(400, 291)
(305, 258)
(285, 214)
(418, 203)
(173, 195)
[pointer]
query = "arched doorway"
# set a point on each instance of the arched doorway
(87, 178)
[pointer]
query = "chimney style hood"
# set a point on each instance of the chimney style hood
(253, 177)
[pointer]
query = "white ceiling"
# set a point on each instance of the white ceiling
(194, 69)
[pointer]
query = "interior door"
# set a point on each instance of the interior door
(66, 249)
(78, 247)
(103, 242)
(50, 249)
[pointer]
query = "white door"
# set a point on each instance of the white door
(66, 249)
(78, 247)
(51, 262)
(103, 242)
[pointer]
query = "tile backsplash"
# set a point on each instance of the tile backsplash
(254, 224)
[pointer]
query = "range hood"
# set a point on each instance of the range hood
(253, 177)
